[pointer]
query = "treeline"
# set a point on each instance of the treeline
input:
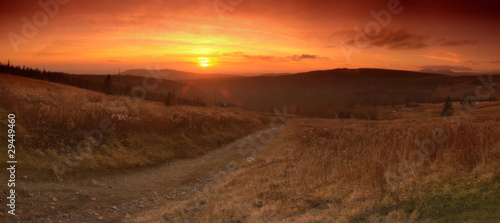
(107, 86)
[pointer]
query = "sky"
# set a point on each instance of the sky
(250, 36)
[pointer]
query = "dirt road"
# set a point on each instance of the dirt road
(141, 196)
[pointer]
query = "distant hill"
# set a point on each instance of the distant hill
(319, 89)
(158, 93)
(314, 91)
(451, 73)
(170, 74)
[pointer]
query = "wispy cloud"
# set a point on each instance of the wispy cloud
(475, 62)
(448, 42)
(402, 39)
(393, 39)
(275, 58)
(455, 60)
(304, 56)
(399, 40)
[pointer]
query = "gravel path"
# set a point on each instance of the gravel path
(142, 196)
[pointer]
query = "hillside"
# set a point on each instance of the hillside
(319, 170)
(320, 90)
(60, 126)
(170, 74)
(343, 93)
(160, 87)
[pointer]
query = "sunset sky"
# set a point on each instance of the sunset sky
(251, 36)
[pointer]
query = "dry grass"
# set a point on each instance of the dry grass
(53, 118)
(366, 171)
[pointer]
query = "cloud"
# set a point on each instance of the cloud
(447, 42)
(115, 61)
(260, 57)
(445, 67)
(443, 58)
(304, 56)
(475, 62)
(275, 58)
(394, 39)
(399, 40)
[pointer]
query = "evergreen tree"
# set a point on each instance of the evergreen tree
(107, 84)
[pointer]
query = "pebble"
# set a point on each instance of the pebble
(93, 198)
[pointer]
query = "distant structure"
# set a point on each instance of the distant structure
(226, 105)
(410, 106)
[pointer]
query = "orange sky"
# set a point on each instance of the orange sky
(250, 36)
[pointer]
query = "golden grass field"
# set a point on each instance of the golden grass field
(67, 131)
(409, 167)
(320, 170)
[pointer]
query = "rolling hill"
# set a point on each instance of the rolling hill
(170, 74)
(340, 87)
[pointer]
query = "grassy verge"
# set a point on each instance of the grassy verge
(343, 171)
(465, 200)
(64, 131)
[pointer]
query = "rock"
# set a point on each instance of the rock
(52, 207)
(127, 215)
(97, 183)
(167, 217)
(114, 207)
(31, 195)
(54, 199)
(100, 217)
(258, 204)
(94, 199)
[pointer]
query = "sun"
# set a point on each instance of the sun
(204, 62)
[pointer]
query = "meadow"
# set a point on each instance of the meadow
(65, 131)
(377, 164)
(419, 168)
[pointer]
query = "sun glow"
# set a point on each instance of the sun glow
(204, 62)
